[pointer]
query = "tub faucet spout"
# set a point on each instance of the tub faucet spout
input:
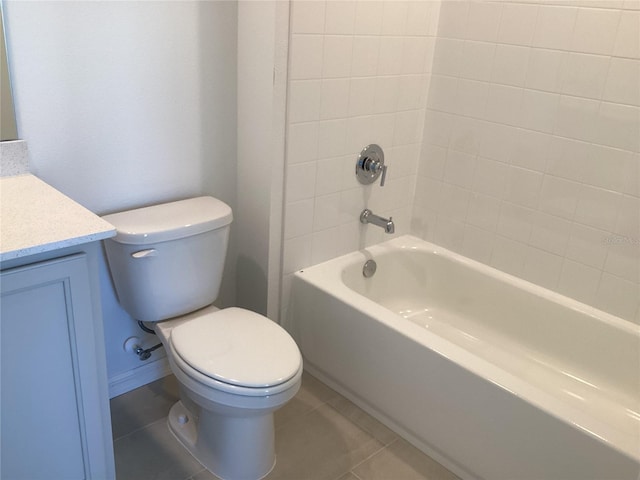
(367, 216)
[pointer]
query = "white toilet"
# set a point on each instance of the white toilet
(235, 367)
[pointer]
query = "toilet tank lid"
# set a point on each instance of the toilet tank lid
(169, 221)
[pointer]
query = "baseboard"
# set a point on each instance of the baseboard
(132, 379)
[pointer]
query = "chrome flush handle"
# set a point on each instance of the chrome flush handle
(151, 252)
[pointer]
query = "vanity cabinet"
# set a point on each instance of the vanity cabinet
(55, 422)
(52, 397)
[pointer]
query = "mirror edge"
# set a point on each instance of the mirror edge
(8, 127)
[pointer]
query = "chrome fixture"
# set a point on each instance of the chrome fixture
(370, 165)
(367, 216)
(133, 345)
(369, 268)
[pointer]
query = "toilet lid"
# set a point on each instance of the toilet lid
(238, 347)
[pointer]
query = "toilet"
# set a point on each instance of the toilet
(234, 367)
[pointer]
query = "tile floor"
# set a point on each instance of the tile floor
(319, 435)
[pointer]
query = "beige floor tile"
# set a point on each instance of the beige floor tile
(348, 476)
(402, 461)
(362, 419)
(311, 395)
(153, 453)
(204, 475)
(319, 435)
(320, 445)
(142, 406)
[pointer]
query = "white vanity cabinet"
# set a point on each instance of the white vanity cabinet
(52, 423)
(54, 404)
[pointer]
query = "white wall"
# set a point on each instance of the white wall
(262, 26)
(358, 74)
(126, 104)
(530, 159)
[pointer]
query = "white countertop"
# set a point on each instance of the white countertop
(14, 158)
(36, 218)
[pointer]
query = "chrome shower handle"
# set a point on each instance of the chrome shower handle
(370, 165)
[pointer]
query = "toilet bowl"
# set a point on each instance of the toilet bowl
(234, 437)
(234, 367)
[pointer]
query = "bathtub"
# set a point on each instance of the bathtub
(494, 377)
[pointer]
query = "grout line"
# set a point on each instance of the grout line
(299, 417)
(374, 454)
(353, 473)
(141, 428)
(313, 409)
(191, 477)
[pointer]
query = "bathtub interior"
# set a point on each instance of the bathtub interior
(585, 358)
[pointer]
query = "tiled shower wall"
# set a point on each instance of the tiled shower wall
(530, 161)
(358, 74)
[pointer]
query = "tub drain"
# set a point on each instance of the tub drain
(369, 268)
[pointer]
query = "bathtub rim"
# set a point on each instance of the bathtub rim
(328, 278)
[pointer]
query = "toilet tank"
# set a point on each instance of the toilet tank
(167, 260)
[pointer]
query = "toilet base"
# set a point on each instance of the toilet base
(232, 448)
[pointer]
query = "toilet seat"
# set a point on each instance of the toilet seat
(237, 350)
(226, 389)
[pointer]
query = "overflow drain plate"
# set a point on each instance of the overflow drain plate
(369, 268)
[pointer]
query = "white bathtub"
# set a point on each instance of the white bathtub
(493, 376)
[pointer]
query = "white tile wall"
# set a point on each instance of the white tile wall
(359, 73)
(531, 148)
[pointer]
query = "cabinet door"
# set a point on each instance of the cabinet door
(45, 309)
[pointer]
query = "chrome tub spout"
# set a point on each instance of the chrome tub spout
(367, 216)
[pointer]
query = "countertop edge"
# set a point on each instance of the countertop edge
(48, 247)
(15, 158)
